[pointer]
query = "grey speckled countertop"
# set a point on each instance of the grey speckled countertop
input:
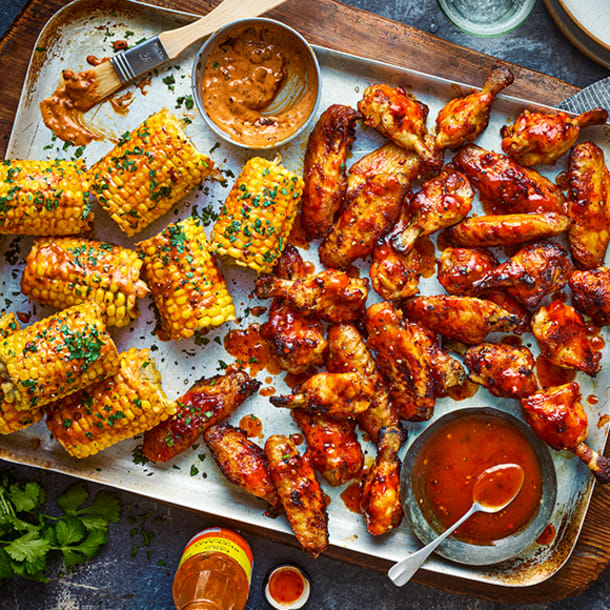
(130, 575)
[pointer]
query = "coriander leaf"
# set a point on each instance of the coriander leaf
(28, 547)
(93, 522)
(72, 498)
(105, 505)
(92, 544)
(6, 569)
(35, 569)
(28, 499)
(71, 558)
(48, 533)
(69, 531)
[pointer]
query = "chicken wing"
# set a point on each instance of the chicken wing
(332, 446)
(557, 417)
(511, 187)
(589, 205)
(542, 137)
(563, 339)
(532, 273)
(507, 229)
(503, 369)
(459, 268)
(206, 403)
(446, 370)
(324, 169)
(330, 295)
(243, 463)
(466, 319)
(399, 117)
(394, 276)
(511, 305)
(441, 202)
(299, 492)
(591, 294)
(463, 119)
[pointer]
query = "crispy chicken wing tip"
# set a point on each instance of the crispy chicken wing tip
(599, 464)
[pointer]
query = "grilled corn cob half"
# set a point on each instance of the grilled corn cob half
(188, 288)
(149, 170)
(68, 270)
(56, 356)
(257, 217)
(128, 403)
(11, 419)
(44, 198)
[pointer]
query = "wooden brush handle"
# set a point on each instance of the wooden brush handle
(175, 41)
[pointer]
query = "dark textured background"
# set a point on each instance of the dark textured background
(129, 574)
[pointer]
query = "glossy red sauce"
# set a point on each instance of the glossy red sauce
(297, 439)
(498, 485)
(547, 536)
(443, 241)
(491, 206)
(252, 351)
(550, 375)
(286, 585)
(259, 310)
(251, 425)
(297, 236)
(427, 252)
(267, 391)
(602, 421)
(513, 340)
(592, 399)
(562, 180)
(294, 381)
(351, 496)
(560, 295)
(466, 389)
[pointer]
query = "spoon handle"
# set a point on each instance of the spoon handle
(402, 572)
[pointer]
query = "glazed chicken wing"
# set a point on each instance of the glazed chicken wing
(589, 205)
(511, 187)
(399, 117)
(466, 319)
(542, 137)
(512, 306)
(463, 119)
(507, 229)
(591, 294)
(532, 273)
(557, 417)
(206, 403)
(459, 268)
(441, 202)
(394, 276)
(563, 338)
(503, 369)
(324, 169)
(299, 492)
(330, 295)
(332, 446)
(243, 463)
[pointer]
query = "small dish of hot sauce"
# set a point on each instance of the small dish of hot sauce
(287, 588)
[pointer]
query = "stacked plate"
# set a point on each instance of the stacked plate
(587, 25)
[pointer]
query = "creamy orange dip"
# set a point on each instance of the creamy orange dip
(242, 77)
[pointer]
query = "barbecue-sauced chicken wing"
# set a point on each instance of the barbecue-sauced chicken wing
(446, 370)
(324, 169)
(399, 117)
(503, 369)
(463, 119)
(591, 294)
(459, 268)
(511, 187)
(507, 229)
(557, 417)
(532, 273)
(206, 403)
(339, 395)
(563, 339)
(330, 295)
(377, 186)
(588, 205)
(441, 202)
(466, 319)
(299, 492)
(332, 446)
(394, 276)
(243, 463)
(542, 137)
(511, 305)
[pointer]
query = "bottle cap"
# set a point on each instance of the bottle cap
(287, 587)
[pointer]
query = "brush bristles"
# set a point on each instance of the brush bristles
(107, 80)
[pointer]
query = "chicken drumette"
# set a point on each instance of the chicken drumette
(463, 119)
(460, 268)
(542, 137)
(591, 294)
(563, 338)
(394, 276)
(557, 417)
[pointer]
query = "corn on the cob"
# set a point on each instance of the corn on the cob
(188, 288)
(44, 198)
(148, 171)
(68, 270)
(128, 403)
(11, 419)
(56, 356)
(257, 217)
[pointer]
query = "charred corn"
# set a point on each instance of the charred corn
(11, 419)
(149, 170)
(68, 270)
(44, 198)
(257, 217)
(128, 403)
(56, 356)
(189, 290)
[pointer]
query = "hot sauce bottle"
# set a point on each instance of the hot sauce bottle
(214, 572)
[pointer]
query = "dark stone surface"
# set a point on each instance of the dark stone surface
(129, 575)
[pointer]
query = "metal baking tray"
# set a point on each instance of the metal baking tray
(88, 27)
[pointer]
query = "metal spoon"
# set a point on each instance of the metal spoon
(401, 572)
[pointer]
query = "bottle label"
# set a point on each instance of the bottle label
(220, 540)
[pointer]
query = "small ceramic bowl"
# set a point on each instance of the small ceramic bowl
(500, 550)
(292, 90)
